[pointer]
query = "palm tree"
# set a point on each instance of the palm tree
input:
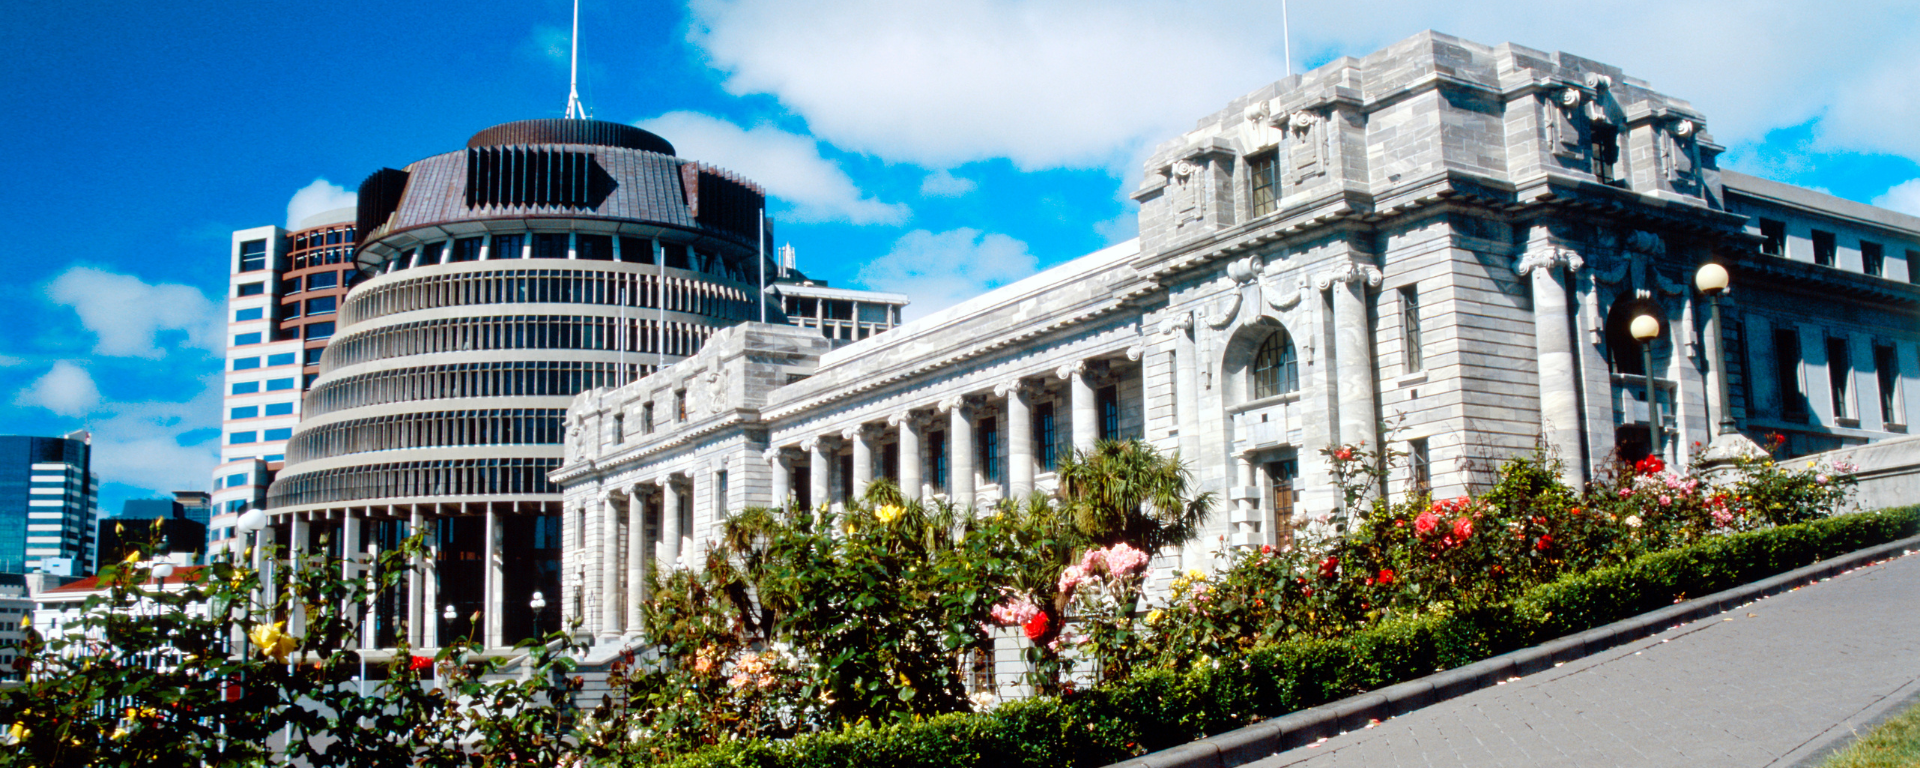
(1125, 490)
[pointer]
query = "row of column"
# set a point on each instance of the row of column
(624, 558)
(959, 410)
(422, 584)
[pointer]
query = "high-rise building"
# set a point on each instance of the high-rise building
(49, 504)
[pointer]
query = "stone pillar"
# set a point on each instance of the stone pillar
(1560, 422)
(862, 458)
(959, 451)
(910, 480)
(1186, 383)
(670, 534)
(636, 559)
(609, 569)
(495, 602)
(1019, 439)
(1249, 525)
(430, 586)
(416, 590)
(297, 562)
(820, 473)
(1086, 417)
(1353, 352)
(782, 471)
(349, 553)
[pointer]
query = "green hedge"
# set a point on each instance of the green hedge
(1163, 708)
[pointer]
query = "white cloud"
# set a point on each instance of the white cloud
(940, 183)
(140, 443)
(1903, 197)
(66, 389)
(789, 165)
(939, 269)
(319, 197)
(127, 314)
(1070, 83)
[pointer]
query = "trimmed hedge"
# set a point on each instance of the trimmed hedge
(1163, 708)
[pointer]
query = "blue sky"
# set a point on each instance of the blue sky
(937, 149)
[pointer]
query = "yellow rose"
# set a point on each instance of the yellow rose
(17, 733)
(132, 557)
(273, 642)
(888, 513)
(1153, 616)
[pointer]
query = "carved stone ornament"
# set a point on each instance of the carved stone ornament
(1285, 299)
(716, 391)
(775, 455)
(1550, 257)
(1646, 242)
(1176, 324)
(1348, 272)
(810, 444)
(1068, 370)
(1683, 127)
(1258, 112)
(1009, 387)
(1571, 97)
(1599, 82)
(1302, 120)
(948, 404)
(900, 419)
(1243, 270)
(1225, 316)
(853, 432)
(1135, 352)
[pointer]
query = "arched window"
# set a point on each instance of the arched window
(1276, 371)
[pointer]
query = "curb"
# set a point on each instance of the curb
(1271, 737)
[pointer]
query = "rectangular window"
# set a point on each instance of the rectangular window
(313, 355)
(276, 385)
(1421, 464)
(1775, 234)
(284, 358)
(245, 363)
(1107, 401)
(321, 306)
(1913, 267)
(593, 247)
(1873, 258)
(465, 249)
(1887, 369)
(987, 441)
(253, 255)
(250, 313)
(679, 405)
(549, 245)
(236, 480)
(507, 246)
(319, 330)
(1410, 327)
(1044, 437)
(252, 289)
(1840, 377)
(273, 457)
(279, 409)
(242, 438)
(676, 256)
(245, 387)
(720, 493)
(290, 310)
(1265, 184)
(636, 250)
(333, 237)
(320, 280)
(282, 433)
(1823, 248)
(244, 412)
(937, 459)
(619, 428)
(646, 418)
(430, 253)
(1786, 373)
(243, 339)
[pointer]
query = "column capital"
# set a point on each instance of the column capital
(1012, 387)
(1068, 370)
(1549, 255)
(1348, 272)
(951, 402)
(855, 432)
(902, 418)
(775, 455)
(1178, 323)
(1135, 352)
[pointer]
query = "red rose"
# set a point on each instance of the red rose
(1266, 549)
(1544, 542)
(417, 663)
(1425, 523)
(1386, 576)
(1036, 627)
(1328, 566)
(1344, 454)
(1651, 465)
(1462, 528)
(1308, 592)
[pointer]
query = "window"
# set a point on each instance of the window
(313, 355)
(290, 310)
(1823, 248)
(1775, 234)
(244, 412)
(1275, 369)
(1265, 184)
(1887, 369)
(1410, 327)
(549, 245)
(242, 438)
(430, 253)
(250, 313)
(319, 330)
(1044, 437)
(646, 418)
(321, 306)
(319, 280)
(245, 387)
(1107, 401)
(278, 434)
(619, 428)
(245, 363)
(937, 459)
(276, 385)
(253, 255)
(1840, 377)
(593, 247)
(680, 405)
(284, 358)
(1421, 464)
(236, 479)
(1913, 267)
(465, 249)
(1786, 374)
(243, 339)
(279, 409)
(1873, 258)
(720, 493)
(676, 255)
(252, 289)
(987, 443)
(273, 457)
(636, 250)
(507, 246)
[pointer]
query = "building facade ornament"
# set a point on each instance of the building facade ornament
(1135, 352)
(1009, 387)
(1550, 257)
(1177, 323)
(1067, 371)
(1348, 272)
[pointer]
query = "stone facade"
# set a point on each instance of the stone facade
(1437, 248)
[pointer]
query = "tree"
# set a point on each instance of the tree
(1126, 491)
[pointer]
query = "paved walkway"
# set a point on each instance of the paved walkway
(1778, 682)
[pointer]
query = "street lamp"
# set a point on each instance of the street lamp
(538, 604)
(1645, 329)
(449, 615)
(162, 570)
(1712, 280)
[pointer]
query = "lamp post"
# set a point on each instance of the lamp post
(538, 604)
(449, 615)
(1645, 329)
(1712, 280)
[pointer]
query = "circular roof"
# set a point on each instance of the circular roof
(564, 131)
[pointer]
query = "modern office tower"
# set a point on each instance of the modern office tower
(281, 303)
(49, 504)
(14, 606)
(495, 283)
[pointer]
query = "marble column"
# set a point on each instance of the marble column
(1249, 525)
(1019, 438)
(297, 562)
(495, 602)
(430, 586)
(909, 448)
(820, 472)
(1086, 417)
(959, 451)
(636, 559)
(782, 476)
(1353, 352)
(670, 534)
(609, 568)
(349, 553)
(416, 590)
(1560, 422)
(862, 458)
(1186, 383)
